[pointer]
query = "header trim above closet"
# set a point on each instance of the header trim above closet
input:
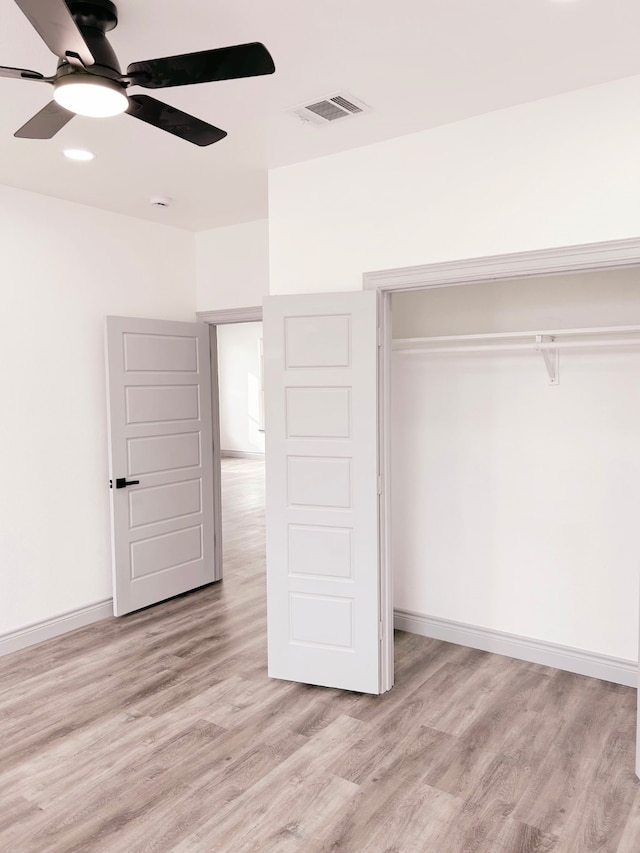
(591, 256)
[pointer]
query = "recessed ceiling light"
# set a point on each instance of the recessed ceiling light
(78, 154)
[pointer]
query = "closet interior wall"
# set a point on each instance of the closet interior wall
(516, 503)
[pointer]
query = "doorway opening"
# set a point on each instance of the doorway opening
(241, 443)
(235, 347)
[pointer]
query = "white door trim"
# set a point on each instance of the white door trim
(590, 256)
(215, 440)
(384, 498)
(252, 314)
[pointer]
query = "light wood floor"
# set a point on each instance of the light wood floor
(160, 731)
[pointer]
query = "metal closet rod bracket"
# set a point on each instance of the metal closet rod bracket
(551, 356)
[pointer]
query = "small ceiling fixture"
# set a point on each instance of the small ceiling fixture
(160, 201)
(80, 154)
(87, 95)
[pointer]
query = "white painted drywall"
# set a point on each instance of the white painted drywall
(239, 384)
(515, 503)
(232, 266)
(64, 267)
(554, 172)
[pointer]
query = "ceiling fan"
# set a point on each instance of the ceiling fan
(88, 80)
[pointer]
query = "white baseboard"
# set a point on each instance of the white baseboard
(593, 664)
(40, 631)
(241, 454)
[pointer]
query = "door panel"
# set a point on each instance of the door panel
(318, 412)
(160, 503)
(168, 353)
(316, 551)
(161, 453)
(323, 571)
(319, 482)
(165, 551)
(160, 433)
(165, 403)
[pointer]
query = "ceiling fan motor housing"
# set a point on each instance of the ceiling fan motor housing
(95, 18)
(99, 14)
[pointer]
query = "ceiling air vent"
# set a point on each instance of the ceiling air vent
(330, 108)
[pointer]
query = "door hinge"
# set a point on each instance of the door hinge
(379, 337)
(379, 485)
(380, 630)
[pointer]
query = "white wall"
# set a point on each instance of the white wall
(239, 384)
(63, 268)
(232, 266)
(554, 172)
(515, 503)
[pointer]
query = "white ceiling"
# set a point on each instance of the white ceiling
(417, 63)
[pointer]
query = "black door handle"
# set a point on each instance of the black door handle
(122, 482)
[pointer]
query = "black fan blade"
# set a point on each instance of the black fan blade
(174, 121)
(46, 123)
(54, 23)
(20, 73)
(206, 66)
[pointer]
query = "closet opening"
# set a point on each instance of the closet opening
(515, 466)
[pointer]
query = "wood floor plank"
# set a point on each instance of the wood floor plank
(397, 774)
(412, 821)
(213, 782)
(556, 793)
(15, 811)
(522, 838)
(161, 731)
(629, 841)
(276, 796)
(462, 769)
(606, 802)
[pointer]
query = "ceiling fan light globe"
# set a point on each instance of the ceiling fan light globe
(87, 96)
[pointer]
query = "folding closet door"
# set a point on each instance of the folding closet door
(321, 419)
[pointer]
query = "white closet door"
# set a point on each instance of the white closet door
(320, 356)
(161, 459)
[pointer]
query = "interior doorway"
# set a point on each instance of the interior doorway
(235, 345)
(241, 442)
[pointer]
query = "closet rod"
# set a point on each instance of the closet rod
(546, 345)
(493, 336)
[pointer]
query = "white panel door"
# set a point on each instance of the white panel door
(160, 459)
(321, 419)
